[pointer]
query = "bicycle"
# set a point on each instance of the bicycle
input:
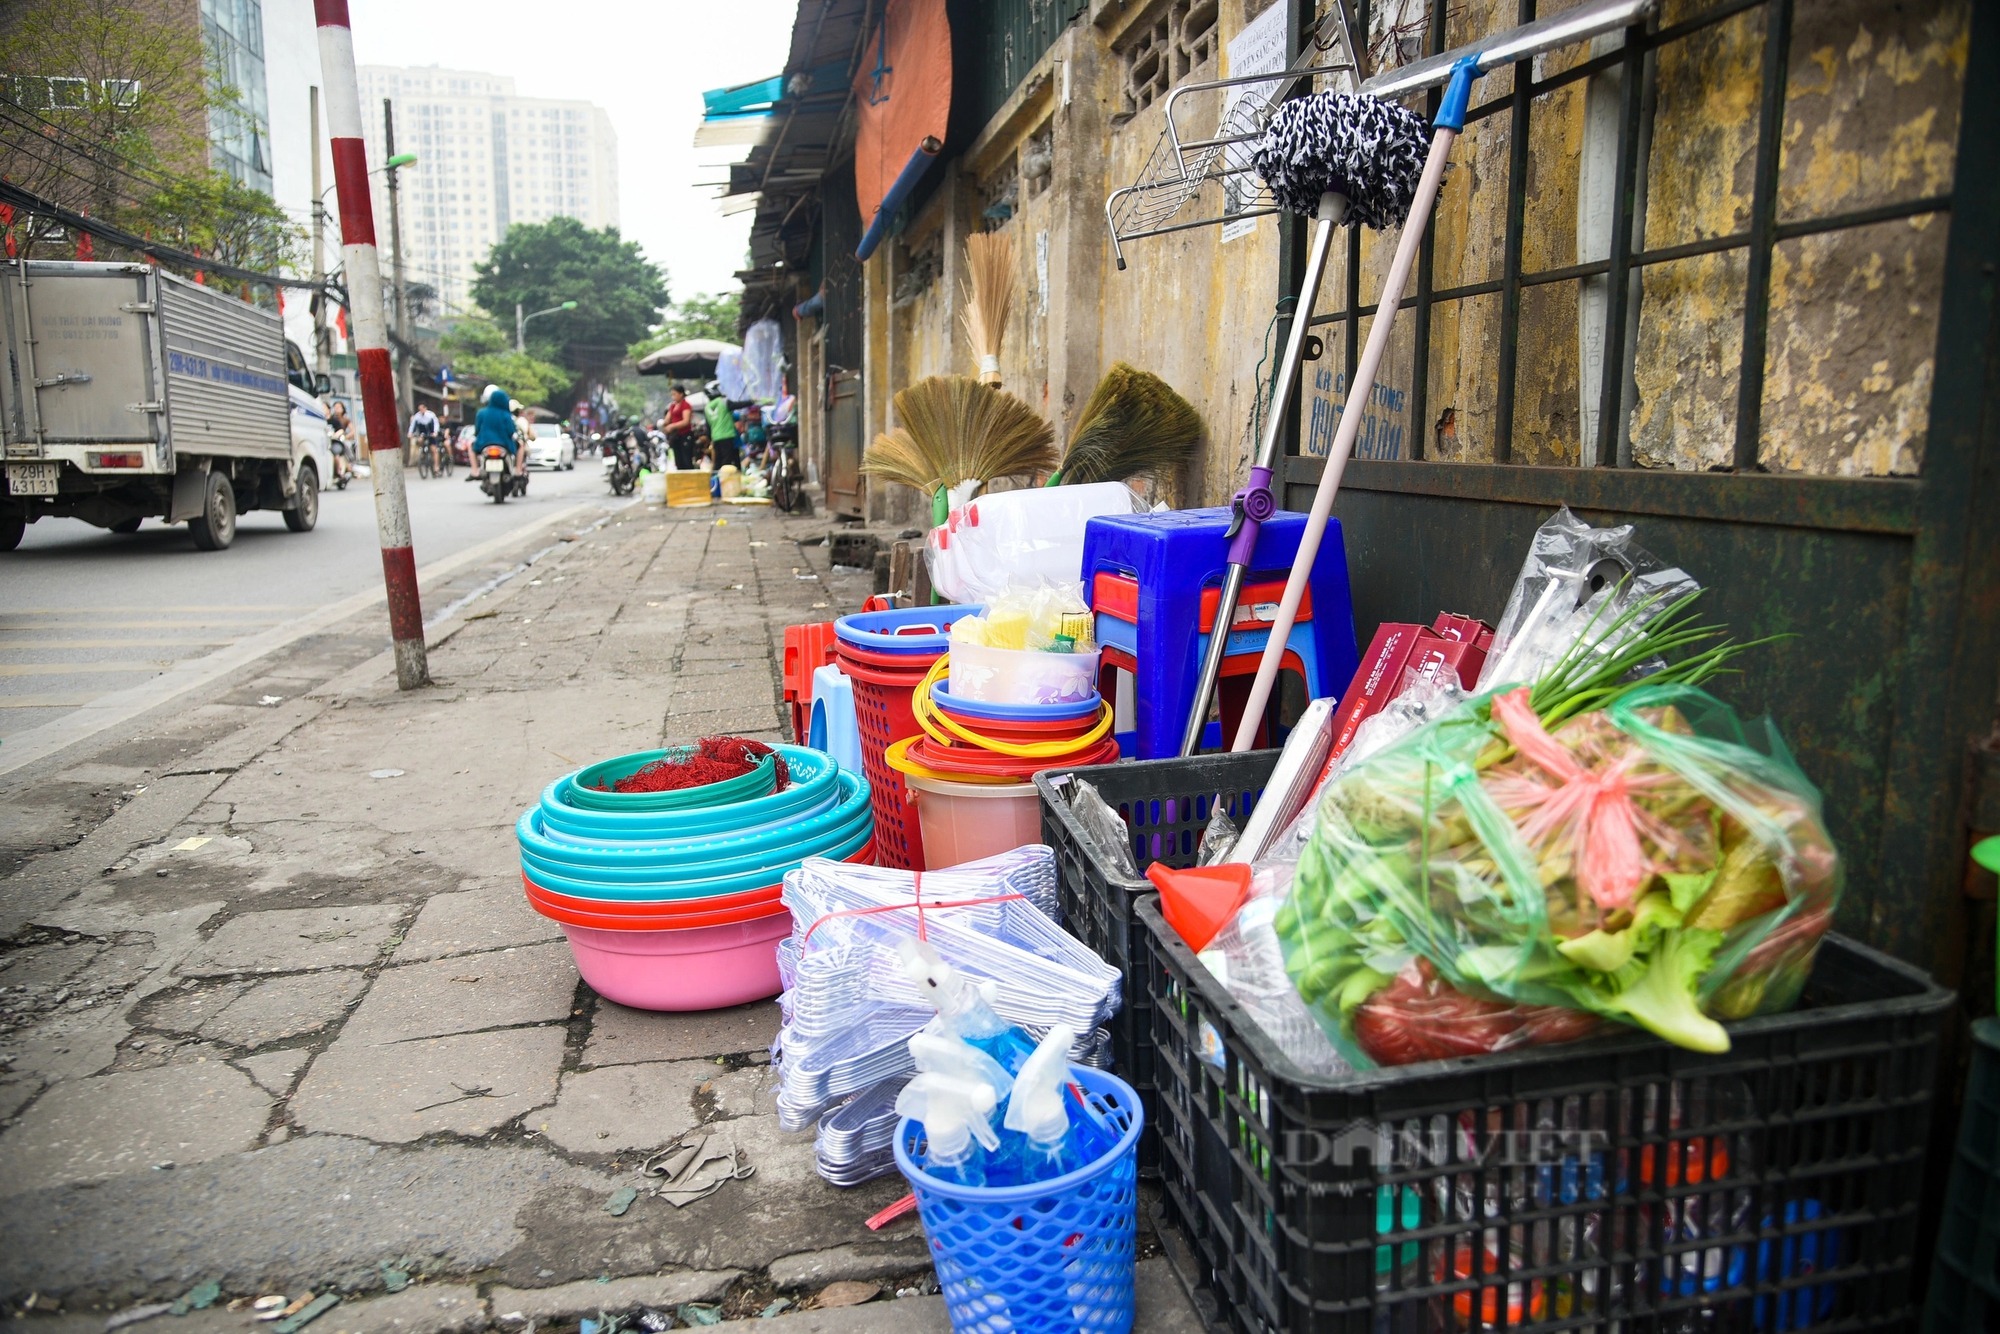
(787, 478)
(433, 458)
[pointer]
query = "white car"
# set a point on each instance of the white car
(552, 447)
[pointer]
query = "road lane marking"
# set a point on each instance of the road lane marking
(76, 668)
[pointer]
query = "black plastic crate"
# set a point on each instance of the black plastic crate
(1166, 805)
(1615, 1184)
(1965, 1273)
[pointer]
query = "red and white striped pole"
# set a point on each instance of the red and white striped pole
(371, 340)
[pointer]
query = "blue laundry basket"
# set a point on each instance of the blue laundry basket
(1055, 1255)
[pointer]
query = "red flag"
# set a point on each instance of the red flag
(340, 323)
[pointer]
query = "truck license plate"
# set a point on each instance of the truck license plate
(33, 479)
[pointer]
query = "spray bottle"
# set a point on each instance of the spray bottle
(1048, 1142)
(959, 1001)
(939, 1051)
(957, 1120)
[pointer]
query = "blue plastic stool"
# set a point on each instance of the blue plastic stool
(1173, 557)
(834, 729)
(1054, 1255)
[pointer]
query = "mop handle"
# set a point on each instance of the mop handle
(1255, 503)
(1358, 392)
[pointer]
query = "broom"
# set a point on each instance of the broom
(956, 431)
(1134, 423)
(989, 257)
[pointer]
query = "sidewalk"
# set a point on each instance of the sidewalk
(274, 1014)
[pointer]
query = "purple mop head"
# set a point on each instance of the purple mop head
(1362, 147)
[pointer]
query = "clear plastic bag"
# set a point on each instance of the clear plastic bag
(850, 1007)
(1576, 580)
(1653, 863)
(1105, 829)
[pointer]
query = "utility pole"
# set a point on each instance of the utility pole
(403, 382)
(378, 388)
(520, 329)
(322, 339)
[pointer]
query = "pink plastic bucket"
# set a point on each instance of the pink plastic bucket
(698, 968)
(974, 820)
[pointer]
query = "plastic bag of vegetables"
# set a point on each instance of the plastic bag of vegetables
(1527, 869)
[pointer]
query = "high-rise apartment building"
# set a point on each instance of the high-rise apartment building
(486, 159)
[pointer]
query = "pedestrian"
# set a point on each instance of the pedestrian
(723, 449)
(679, 428)
(754, 434)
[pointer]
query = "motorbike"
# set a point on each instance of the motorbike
(496, 478)
(342, 449)
(787, 477)
(623, 470)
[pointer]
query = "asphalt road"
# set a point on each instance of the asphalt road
(84, 612)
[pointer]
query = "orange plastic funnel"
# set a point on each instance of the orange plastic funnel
(1199, 901)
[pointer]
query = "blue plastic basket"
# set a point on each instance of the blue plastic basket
(904, 630)
(1055, 1255)
(1016, 713)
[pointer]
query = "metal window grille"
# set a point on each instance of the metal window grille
(1609, 442)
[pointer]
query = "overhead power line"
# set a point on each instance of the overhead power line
(34, 203)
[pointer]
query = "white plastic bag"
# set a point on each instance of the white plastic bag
(1018, 538)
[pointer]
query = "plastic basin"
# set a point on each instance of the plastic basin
(699, 968)
(589, 787)
(1021, 676)
(963, 822)
(1082, 710)
(904, 630)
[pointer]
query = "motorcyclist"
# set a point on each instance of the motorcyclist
(493, 426)
(340, 441)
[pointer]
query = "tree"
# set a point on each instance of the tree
(219, 217)
(105, 102)
(105, 109)
(478, 350)
(710, 315)
(618, 292)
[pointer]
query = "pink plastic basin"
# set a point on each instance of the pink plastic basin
(973, 820)
(698, 968)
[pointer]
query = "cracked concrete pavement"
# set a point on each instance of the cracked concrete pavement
(275, 1014)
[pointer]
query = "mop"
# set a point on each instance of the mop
(1339, 157)
(1293, 153)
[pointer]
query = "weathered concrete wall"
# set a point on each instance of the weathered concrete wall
(1870, 118)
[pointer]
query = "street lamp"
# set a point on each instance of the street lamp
(521, 322)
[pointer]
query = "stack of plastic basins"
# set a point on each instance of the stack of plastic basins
(972, 785)
(886, 654)
(670, 899)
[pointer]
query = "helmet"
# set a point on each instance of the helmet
(713, 388)
(486, 394)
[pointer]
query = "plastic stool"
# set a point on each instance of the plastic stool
(807, 649)
(834, 728)
(1175, 558)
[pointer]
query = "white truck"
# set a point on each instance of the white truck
(128, 392)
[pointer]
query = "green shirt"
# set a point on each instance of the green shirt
(721, 421)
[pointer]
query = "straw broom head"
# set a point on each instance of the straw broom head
(989, 258)
(956, 429)
(1134, 423)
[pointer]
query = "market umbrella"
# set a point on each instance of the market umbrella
(692, 359)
